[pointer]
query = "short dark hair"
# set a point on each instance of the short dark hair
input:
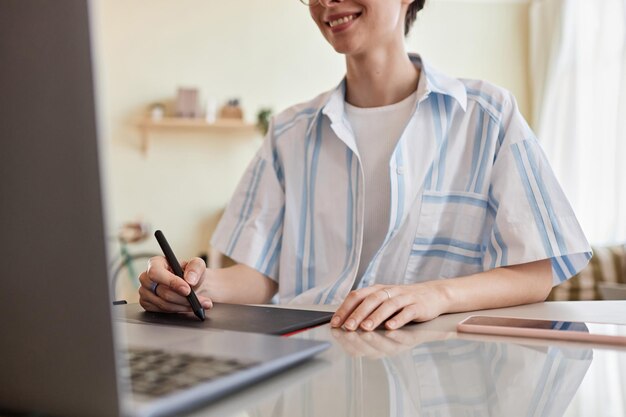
(411, 14)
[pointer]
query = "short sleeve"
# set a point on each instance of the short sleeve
(531, 218)
(250, 231)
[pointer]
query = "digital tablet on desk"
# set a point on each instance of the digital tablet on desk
(614, 334)
(238, 317)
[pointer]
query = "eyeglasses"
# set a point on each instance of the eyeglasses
(309, 2)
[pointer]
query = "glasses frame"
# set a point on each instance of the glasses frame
(309, 2)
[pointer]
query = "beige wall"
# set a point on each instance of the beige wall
(268, 53)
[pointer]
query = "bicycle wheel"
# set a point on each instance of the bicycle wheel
(125, 276)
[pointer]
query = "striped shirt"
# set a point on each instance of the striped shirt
(471, 190)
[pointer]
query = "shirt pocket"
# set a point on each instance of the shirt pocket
(448, 237)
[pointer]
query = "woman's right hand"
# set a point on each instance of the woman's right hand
(162, 291)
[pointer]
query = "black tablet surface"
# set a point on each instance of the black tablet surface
(238, 317)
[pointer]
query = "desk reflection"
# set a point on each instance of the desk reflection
(416, 373)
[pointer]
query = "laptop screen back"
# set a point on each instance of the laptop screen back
(56, 349)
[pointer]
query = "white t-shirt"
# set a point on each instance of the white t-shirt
(376, 132)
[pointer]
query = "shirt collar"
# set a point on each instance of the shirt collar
(334, 107)
(431, 81)
(435, 81)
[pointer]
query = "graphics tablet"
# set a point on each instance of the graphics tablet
(238, 317)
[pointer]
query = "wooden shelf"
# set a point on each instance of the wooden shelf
(220, 125)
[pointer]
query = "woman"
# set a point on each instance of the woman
(402, 194)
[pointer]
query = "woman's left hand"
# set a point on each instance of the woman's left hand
(369, 307)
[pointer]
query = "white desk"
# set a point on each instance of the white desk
(430, 370)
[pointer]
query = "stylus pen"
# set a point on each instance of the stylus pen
(171, 259)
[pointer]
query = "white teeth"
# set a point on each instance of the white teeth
(342, 20)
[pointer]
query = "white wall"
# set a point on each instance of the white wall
(268, 53)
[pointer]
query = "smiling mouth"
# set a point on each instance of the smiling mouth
(343, 20)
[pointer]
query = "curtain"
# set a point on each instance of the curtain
(578, 79)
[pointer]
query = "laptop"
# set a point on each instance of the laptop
(60, 351)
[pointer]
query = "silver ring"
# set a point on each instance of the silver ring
(153, 287)
(387, 292)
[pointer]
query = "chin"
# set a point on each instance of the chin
(341, 50)
(344, 48)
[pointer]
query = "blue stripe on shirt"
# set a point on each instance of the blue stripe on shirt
(478, 145)
(276, 226)
(437, 124)
(276, 162)
(270, 266)
(501, 135)
(492, 252)
(283, 127)
(246, 208)
(454, 198)
(312, 179)
(441, 170)
(399, 210)
(434, 104)
(557, 270)
(493, 201)
(532, 200)
(484, 159)
(278, 168)
(489, 99)
(548, 205)
(302, 228)
(429, 178)
(556, 266)
(448, 242)
(449, 256)
(438, 106)
(503, 248)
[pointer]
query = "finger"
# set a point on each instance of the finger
(171, 296)
(408, 313)
(167, 294)
(148, 306)
(153, 308)
(146, 296)
(160, 262)
(351, 302)
(387, 309)
(367, 307)
(194, 271)
(206, 302)
(157, 272)
(144, 280)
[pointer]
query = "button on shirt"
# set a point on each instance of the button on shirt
(470, 190)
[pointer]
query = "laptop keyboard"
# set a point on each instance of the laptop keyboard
(155, 372)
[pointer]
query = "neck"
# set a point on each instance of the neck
(380, 78)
